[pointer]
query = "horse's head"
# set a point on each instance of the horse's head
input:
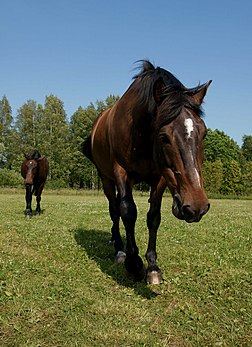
(179, 150)
(31, 166)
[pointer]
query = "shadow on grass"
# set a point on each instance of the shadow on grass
(96, 244)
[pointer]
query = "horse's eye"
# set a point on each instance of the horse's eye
(165, 139)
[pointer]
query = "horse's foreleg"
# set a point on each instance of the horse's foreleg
(38, 192)
(154, 275)
(133, 263)
(38, 208)
(109, 190)
(28, 199)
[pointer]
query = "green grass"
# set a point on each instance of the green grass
(61, 287)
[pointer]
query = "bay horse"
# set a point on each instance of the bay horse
(34, 170)
(154, 133)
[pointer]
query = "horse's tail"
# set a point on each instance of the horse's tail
(86, 148)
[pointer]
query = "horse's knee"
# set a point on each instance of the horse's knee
(128, 211)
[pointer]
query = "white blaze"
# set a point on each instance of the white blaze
(189, 127)
(197, 177)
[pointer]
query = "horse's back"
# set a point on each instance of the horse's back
(43, 165)
(121, 139)
(98, 146)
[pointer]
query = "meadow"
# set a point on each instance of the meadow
(59, 285)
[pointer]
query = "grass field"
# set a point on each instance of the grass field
(61, 287)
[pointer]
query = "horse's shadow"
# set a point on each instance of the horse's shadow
(99, 248)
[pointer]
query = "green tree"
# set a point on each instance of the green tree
(3, 155)
(26, 126)
(247, 177)
(213, 175)
(109, 102)
(5, 119)
(232, 183)
(81, 124)
(247, 147)
(83, 172)
(79, 128)
(6, 131)
(54, 138)
(25, 133)
(219, 146)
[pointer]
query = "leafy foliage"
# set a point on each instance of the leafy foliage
(219, 146)
(10, 178)
(5, 119)
(6, 132)
(55, 142)
(232, 183)
(247, 177)
(247, 147)
(213, 175)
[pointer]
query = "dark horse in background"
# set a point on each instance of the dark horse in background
(154, 133)
(34, 170)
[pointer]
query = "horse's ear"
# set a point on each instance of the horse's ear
(199, 93)
(158, 91)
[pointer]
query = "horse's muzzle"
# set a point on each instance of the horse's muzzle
(187, 212)
(28, 182)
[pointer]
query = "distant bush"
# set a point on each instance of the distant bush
(10, 178)
(56, 184)
(13, 179)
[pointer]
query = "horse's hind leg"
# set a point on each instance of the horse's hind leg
(154, 275)
(109, 190)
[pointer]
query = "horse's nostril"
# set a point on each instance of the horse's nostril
(204, 210)
(188, 212)
(191, 215)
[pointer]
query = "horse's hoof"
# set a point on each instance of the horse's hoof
(137, 276)
(135, 268)
(154, 277)
(120, 257)
(28, 216)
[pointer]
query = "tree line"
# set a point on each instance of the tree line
(227, 168)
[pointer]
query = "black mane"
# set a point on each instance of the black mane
(150, 74)
(175, 95)
(34, 155)
(146, 79)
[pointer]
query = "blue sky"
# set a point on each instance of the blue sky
(83, 51)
